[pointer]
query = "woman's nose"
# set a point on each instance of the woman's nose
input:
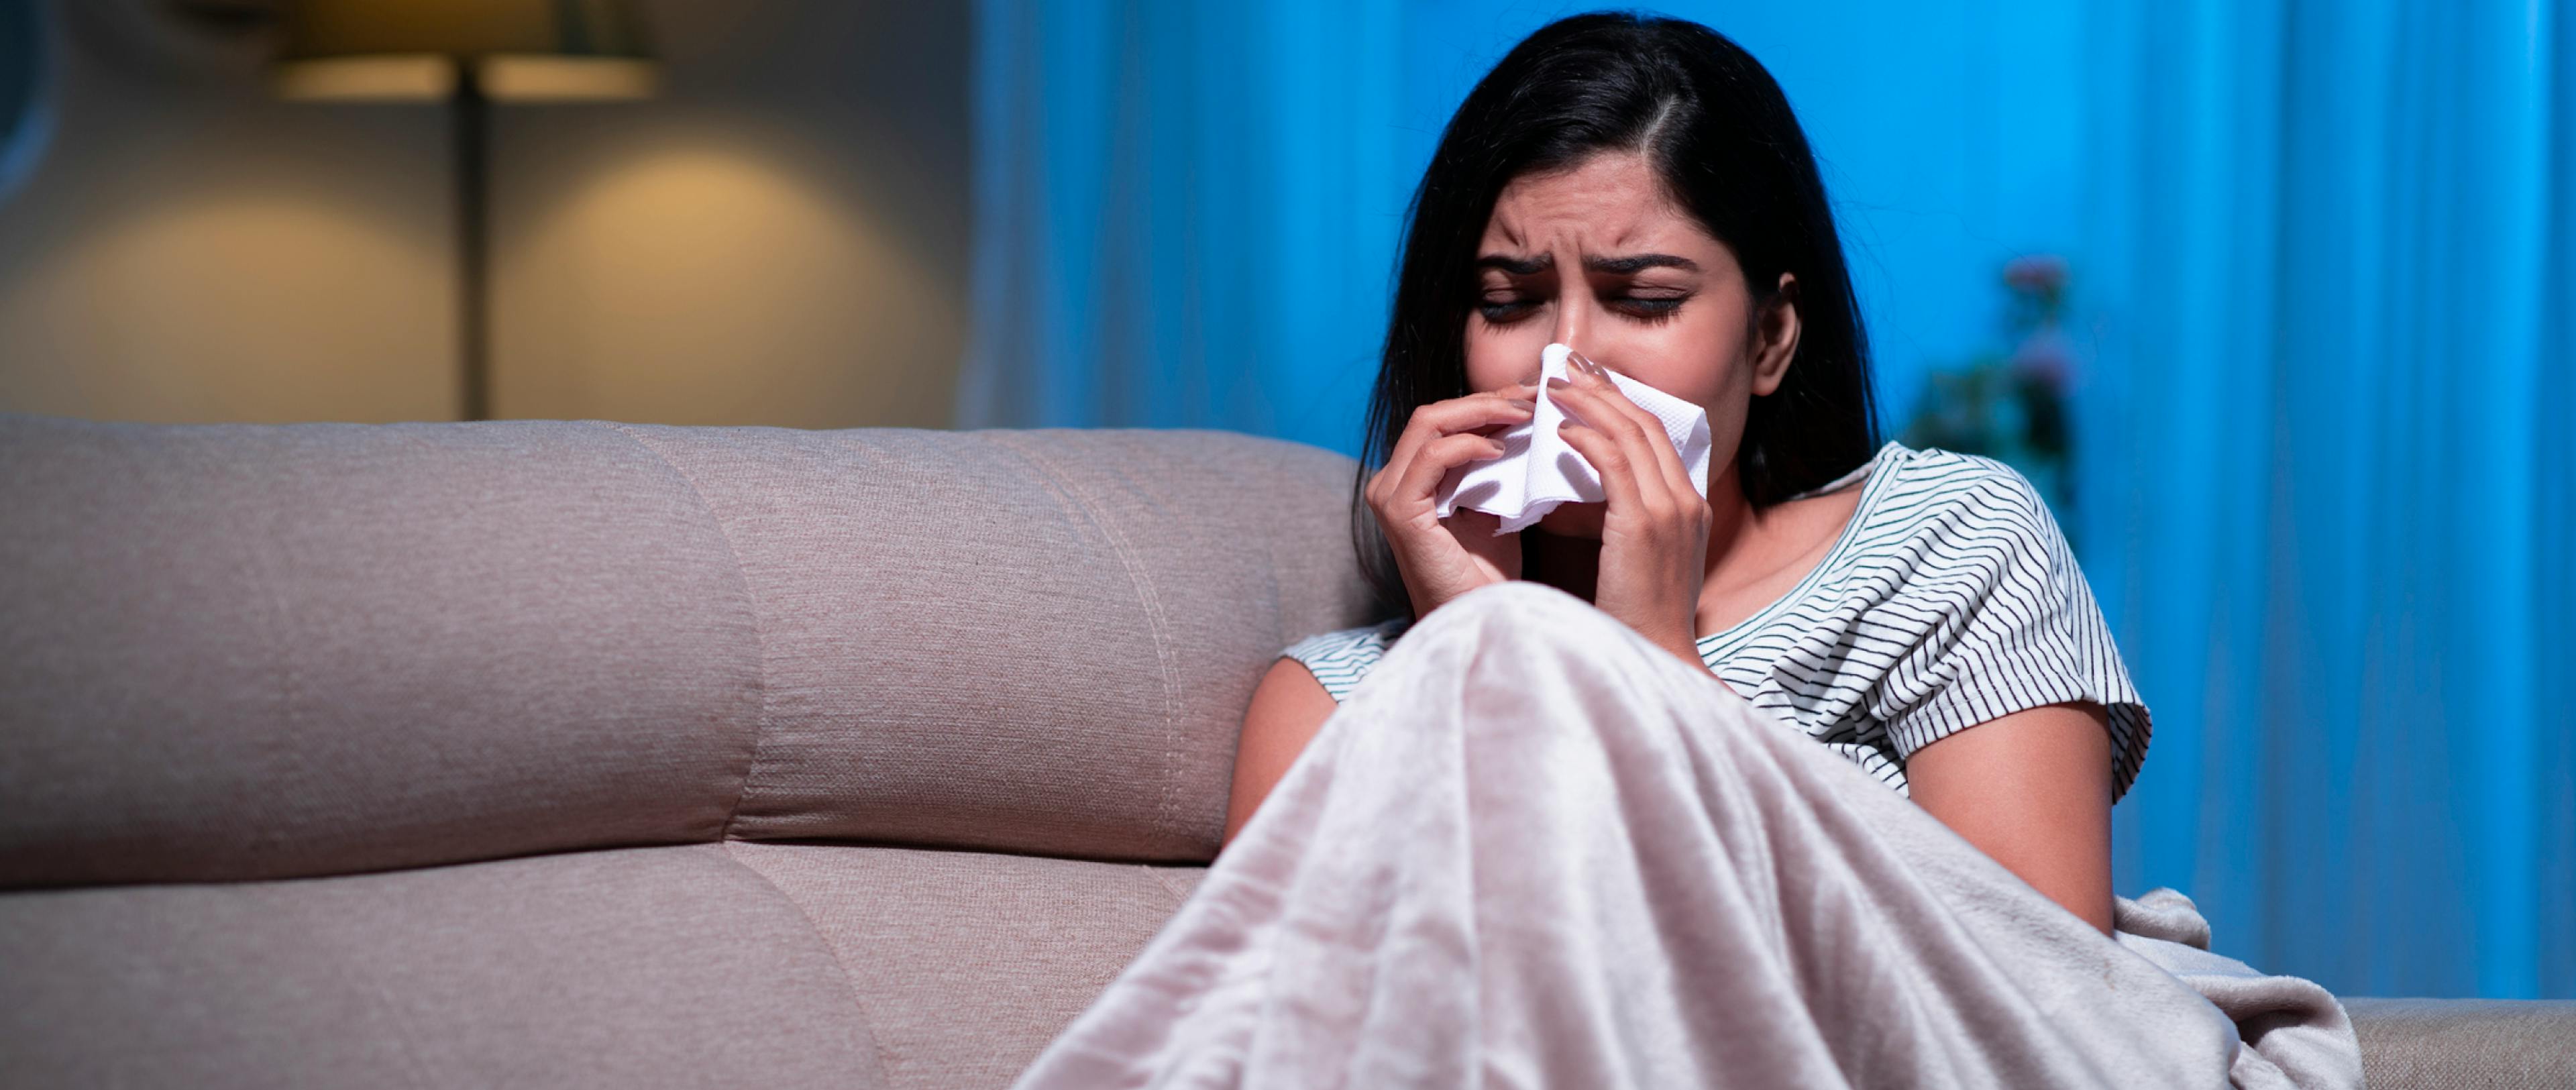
(1571, 321)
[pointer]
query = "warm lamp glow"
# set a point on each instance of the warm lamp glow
(513, 50)
(429, 76)
(468, 54)
(384, 78)
(568, 79)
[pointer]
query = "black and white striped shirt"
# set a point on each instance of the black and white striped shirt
(1950, 599)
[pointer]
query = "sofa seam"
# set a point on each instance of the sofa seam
(1166, 805)
(751, 602)
(1170, 889)
(849, 980)
(290, 694)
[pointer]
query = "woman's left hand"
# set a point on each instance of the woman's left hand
(1654, 535)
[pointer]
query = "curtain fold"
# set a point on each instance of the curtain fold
(1186, 214)
(2328, 471)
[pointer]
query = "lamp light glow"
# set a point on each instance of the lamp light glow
(467, 54)
(425, 50)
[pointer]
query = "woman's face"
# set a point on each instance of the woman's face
(1599, 257)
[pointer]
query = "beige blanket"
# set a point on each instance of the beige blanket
(1534, 851)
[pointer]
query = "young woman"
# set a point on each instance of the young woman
(1584, 196)
(1804, 783)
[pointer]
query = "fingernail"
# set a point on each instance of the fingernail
(1558, 384)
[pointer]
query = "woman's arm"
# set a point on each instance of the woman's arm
(2033, 790)
(1288, 707)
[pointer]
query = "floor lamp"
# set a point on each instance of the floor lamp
(467, 54)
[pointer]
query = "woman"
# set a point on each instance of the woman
(1536, 841)
(1632, 224)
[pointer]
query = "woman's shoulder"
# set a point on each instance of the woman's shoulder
(1931, 503)
(1339, 659)
(1348, 640)
(1937, 481)
(1936, 535)
(1997, 616)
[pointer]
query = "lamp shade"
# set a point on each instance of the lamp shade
(422, 49)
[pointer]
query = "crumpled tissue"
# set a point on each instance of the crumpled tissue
(1538, 470)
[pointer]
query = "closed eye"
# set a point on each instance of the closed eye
(1652, 308)
(1505, 310)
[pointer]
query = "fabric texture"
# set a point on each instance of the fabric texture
(1071, 687)
(965, 964)
(1950, 599)
(2294, 1032)
(238, 652)
(242, 652)
(668, 966)
(2466, 1044)
(1533, 850)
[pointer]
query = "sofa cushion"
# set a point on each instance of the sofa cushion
(667, 966)
(2465, 1044)
(1036, 641)
(968, 964)
(735, 964)
(243, 652)
(251, 652)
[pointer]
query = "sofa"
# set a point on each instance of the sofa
(578, 753)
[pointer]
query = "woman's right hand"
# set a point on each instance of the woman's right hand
(1442, 560)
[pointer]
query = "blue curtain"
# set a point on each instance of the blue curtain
(2331, 438)
(2322, 253)
(1186, 215)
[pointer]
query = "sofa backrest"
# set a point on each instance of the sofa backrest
(235, 651)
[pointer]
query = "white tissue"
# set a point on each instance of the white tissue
(1538, 471)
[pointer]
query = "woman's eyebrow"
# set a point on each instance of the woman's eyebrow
(1531, 266)
(1517, 266)
(1637, 262)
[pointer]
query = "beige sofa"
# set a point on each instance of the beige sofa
(590, 754)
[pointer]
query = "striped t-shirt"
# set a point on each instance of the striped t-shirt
(1950, 599)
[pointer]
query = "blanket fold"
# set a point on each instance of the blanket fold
(1532, 850)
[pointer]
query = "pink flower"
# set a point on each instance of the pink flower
(2040, 274)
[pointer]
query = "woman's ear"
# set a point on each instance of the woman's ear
(1775, 336)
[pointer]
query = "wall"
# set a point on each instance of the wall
(189, 250)
(779, 238)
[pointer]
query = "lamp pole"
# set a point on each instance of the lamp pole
(469, 115)
(469, 54)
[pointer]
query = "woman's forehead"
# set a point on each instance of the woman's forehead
(1606, 203)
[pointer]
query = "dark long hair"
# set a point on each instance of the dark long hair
(1716, 128)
